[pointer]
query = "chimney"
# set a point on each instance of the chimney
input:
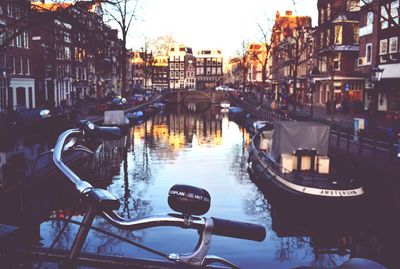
(288, 13)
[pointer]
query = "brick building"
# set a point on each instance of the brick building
(209, 69)
(21, 90)
(257, 53)
(181, 67)
(160, 73)
(4, 71)
(288, 44)
(338, 48)
(379, 46)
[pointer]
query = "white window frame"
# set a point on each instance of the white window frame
(25, 39)
(381, 51)
(395, 40)
(366, 53)
(384, 16)
(21, 66)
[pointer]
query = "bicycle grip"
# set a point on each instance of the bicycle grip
(238, 229)
(107, 132)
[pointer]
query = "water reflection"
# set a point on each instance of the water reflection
(205, 149)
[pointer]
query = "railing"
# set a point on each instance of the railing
(353, 145)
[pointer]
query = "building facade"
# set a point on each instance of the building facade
(21, 84)
(289, 59)
(4, 70)
(257, 53)
(181, 67)
(160, 73)
(379, 46)
(209, 69)
(338, 48)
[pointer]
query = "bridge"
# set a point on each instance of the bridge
(186, 97)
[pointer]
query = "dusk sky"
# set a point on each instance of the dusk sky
(203, 24)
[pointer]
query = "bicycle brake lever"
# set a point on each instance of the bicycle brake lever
(209, 259)
(199, 254)
(83, 148)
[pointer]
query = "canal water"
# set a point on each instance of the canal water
(206, 149)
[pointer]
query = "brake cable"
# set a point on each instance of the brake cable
(156, 252)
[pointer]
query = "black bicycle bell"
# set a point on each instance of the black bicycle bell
(189, 200)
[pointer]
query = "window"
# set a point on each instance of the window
(322, 15)
(18, 65)
(336, 61)
(10, 10)
(393, 44)
(49, 70)
(2, 36)
(370, 18)
(328, 37)
(17, 11)
(356, 34)
(384, 16)
(2, 59)
(67, 37)
(383, 50)
(383, 47)
(394, 11)
(171, 66)
(25, 66)
(321, 38)
(338, 34)
(353, 5)
(368, 53)
(18, 40)
(328, 11)
(26, 39)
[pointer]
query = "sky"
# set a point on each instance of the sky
(209, 24)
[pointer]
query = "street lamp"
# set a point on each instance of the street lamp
(313, 73)
(376, 76)
(6, 74)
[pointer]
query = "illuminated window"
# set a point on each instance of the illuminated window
(338, 34)
(356, 34)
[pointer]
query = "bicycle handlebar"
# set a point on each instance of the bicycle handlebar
(221, 227)
(237, 229)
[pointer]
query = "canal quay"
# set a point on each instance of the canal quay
(199, 145)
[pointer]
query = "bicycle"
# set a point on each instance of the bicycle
(189, 202)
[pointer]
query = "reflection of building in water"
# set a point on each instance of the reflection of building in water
(107, 161)
(181, 127)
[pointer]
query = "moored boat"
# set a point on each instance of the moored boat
(225, 104)
(237, 114)
(293, 157)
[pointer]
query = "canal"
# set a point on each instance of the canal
(206, 149)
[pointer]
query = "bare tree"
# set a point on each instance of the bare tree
(122, 12)
(264, 58)
(243, 62)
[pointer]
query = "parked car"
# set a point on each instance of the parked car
(137, 99)
(31, 119)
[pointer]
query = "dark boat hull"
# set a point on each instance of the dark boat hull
(268, 183)
(38, 192)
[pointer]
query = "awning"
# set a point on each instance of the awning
(390, 70)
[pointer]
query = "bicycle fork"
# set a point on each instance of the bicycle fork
(80, 238)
